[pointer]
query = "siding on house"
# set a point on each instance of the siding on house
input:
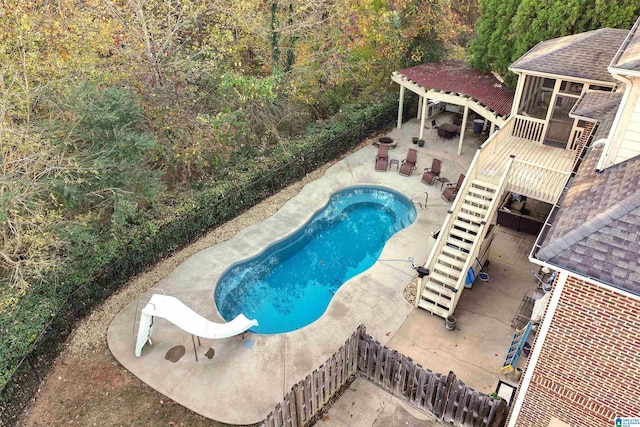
(629, 146)
(589, 368)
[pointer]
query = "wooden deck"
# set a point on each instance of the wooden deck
(494, 163)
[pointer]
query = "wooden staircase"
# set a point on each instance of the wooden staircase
(457, 246)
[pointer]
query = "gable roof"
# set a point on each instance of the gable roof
(583, 56)
(595, 230)
(458, 77)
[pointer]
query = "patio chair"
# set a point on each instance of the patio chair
(434, 126)
(382, 159)
(451, 189)
(431, 173)
(409, 164)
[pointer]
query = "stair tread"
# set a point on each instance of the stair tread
(463, 234)
(485, 184)
(447, 259)
(432, 308)
(431, 287)
(468, 198)
(484, 193)
(469, 217)
(443, 279)
(466, 225)
(459, 244)
(446, 270)
(454, 253)
(475, 209)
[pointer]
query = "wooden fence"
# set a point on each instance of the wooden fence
(445, 396)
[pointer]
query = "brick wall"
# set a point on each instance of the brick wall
(586, 134)
(589, 368)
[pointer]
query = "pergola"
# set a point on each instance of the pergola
(453, 82)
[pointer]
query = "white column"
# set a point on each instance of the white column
(400, 106)
(518, 95)
(423, 115)
(556, 90)
(464, 126)
(419, 107)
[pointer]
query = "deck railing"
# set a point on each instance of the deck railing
(536, 181)
(528, 128)
(526, 178)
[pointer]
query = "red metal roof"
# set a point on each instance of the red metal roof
(457, 77)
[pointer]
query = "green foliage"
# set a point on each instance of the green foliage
(128, 129)
(98, 264)
(507, 29)
(100, 130)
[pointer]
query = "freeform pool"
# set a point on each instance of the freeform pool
(290, 284)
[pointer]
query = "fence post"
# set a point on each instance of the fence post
(500, 416)
(33, 368)
(297, 392)
(450, 379)
(356, 355)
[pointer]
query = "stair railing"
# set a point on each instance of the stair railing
(477, 242)
(447, 225)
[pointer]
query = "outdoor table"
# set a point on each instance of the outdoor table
(448, 130)
(442, 180)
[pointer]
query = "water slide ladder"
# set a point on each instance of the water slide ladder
(517, 343)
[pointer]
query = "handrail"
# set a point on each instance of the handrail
(425, 200)
(491, 144)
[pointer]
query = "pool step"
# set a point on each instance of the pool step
(442, 288)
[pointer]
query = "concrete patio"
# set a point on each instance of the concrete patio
(243, 382)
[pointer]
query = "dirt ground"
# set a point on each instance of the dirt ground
(88, 387)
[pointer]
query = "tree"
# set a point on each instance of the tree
(507, 29)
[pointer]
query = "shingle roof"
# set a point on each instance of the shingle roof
(595, 231)
(457, 77)
(584, 56)
(629, 55)
(600, 107)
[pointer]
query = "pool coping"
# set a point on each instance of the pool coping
(244, 381)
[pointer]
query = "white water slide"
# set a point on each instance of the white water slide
(172, 309)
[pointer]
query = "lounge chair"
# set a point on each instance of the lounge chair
(409, 164)
(431, 173)
(452, 189)
(382, 159)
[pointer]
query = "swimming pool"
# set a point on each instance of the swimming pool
(290, 284)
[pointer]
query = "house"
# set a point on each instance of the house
(571, 144)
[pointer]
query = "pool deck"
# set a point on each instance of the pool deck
(244, 381)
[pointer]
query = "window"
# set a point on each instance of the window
(571, 87)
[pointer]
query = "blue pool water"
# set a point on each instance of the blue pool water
(290, 284)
